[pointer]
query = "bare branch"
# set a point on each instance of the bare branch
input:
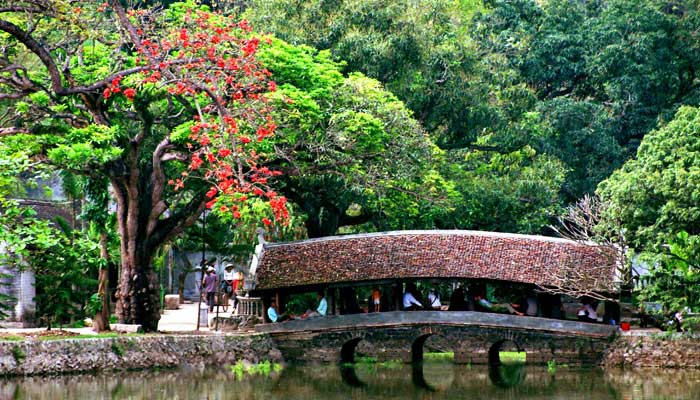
(582, 223)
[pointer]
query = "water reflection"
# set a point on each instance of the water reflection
(507, 375)
(349, 375)
(418, 377)
(503, 375)
(431, 381)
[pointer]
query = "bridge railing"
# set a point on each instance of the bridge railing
(454, 318)
(250, 306)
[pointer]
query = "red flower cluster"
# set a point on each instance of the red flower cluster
(115, 87)
(211, 58)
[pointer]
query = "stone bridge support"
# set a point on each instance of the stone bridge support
(477, 341)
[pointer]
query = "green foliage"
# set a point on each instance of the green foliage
(299, 303)
(512, 357)
(94, 304)
(118, 348)
(18, 354)
(83, 148)
(580, 134)
(90, 103)
(513, 192)
(674, 275)
(335, 134)
(63, 262)
(419, 50)
(470, 100)
(5, 300)
(657, 194)
(632, 57)
(439, 357)
(264, 369)
(11, 338)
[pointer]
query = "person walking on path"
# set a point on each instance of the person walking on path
(210, 287)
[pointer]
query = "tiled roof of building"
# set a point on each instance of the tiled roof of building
(426, 254)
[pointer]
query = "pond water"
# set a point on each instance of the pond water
(432, 380)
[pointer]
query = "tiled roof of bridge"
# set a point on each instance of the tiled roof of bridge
(427, 254)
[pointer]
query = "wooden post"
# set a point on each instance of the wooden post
(331, 295)
(398, 296)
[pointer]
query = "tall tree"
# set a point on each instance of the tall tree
(635, 58)
(420, 51)
(655, 195)
(350, 151)
(149, 100)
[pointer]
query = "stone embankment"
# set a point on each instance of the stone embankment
(137, 352)
(657, 350)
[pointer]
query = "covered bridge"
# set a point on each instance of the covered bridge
(426, 254)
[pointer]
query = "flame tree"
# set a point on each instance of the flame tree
(167, 105)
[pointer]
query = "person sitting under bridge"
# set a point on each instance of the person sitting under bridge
(486, 306)
(457, 302)
(587, 313)
(434, 300)
(410, 303)
(274, 316)
(321, 310)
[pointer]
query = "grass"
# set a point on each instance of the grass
(90, 336)
(371, 363)
(46, 335)
(513, 357)
(11, 338)
(446, 356)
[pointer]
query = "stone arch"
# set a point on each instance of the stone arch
(347, 350)
(494, 350)
(417, 347)
(437, 339)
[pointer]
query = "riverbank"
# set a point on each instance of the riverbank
(654, 350)
(65, 356)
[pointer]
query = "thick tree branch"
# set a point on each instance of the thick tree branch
(13, 131)
(171, 156)
(36, 48)
(157, 184)
(174, 225)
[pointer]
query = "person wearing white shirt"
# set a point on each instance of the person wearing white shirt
(434, 300)
(587, 313)
(410, 303)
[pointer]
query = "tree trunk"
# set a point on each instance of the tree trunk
(101, 320)
(143, 229)
(138, 299)
(321, 221)
(170, 270)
